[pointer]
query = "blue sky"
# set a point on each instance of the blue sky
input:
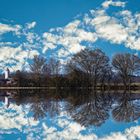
(62, 28)
(47, 13)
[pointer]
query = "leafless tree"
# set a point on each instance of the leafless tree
(91, 62)
(20, 78)
(54, 68)
(37, 68)
(126, 65)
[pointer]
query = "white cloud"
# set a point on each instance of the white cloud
(63, 122)
(71, 27)
(48, 46)
(4, 28)
(49, 130)
(100, 20)
(107, 3)
(7, 43)
(69, 37)
(49, 37)
(8, 54)
(120, 28)
(114, 32)
(132, 133)
(97, 24)
(14, 117)
(136, 43)
(72, 130)
(16, 54)
(32, 37)
(86, 36)
(108, 27)
(31, 25)
(63, 53)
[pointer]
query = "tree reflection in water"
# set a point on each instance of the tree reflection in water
(126, 110)
(41, 103)
(86, 107)
(89, 108)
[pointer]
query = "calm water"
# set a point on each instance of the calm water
(66, 115)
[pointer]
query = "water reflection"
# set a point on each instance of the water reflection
(126, 109)
(94, 108)
(89, 108)
(85, 107)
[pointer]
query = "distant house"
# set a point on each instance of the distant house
(6, 80)
(6, 73)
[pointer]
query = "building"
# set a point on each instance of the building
(6, 80)
(6, 74)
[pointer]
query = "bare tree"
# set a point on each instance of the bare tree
(19, 77)
(126, 65)
(91, 62)
(106, 76)
(37, 68)
(54, 68)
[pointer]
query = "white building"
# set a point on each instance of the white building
(8, 95)
(6, 73)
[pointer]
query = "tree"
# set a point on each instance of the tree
(37, 68)
(92, 63)
(54, 66)
(54, 69)
(20, 77)
(77, 79)
(106, 76)
(126, 65)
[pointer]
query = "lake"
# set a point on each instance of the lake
(69, 115)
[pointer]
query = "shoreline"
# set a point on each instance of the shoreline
(111, 87)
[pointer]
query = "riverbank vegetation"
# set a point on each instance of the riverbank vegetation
(87, 68)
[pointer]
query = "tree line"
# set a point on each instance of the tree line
(87, 68)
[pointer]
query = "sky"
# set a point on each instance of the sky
(59, 29)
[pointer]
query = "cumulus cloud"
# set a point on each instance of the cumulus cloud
(32, 37)
(71, 27)
(119, 28)
(4, 28)
(69, 38)
(31, 25)
(73, 128)
(109, 29)
(7, 44)
(131, 133)
(107, 3)
(14, 117)
(24, 45)
(15, 57)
